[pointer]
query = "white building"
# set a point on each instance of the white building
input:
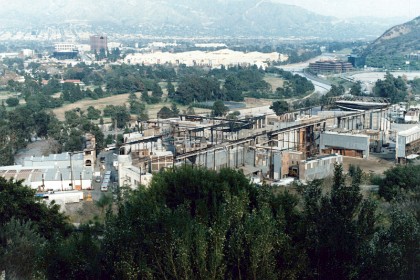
(407, 143)
(28, 52)
(65, 47)
(215, 59)
(45, 178)
(129, 175)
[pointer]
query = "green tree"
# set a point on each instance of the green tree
(196, 89)
(174, 109)
(165, 113)
(75, 141)
(21, 250)
(121, 116)
(12, 101)
(92, 113)
(219, 109)
(196, 223)
(280, 107)
(398, 180)
(74, 257)
(156, 93)
(335, 91)
(356, 89)
(21, 125)
(393, 88)
(337, 226)
(99, 92)
(170, 88)
(42, 120)
(19, 202)
(145, 96)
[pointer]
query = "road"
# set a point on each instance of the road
(107, 165)
(322, 86)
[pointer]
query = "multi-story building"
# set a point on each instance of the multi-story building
(65, 51)
(98, 42)
(330, 66)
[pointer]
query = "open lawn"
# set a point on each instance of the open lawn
(100, 104)
(275, 82)
(120, 99)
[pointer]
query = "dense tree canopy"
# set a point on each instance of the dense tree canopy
(393, 88)
(18, 201)
(197, 89)
(202, 224)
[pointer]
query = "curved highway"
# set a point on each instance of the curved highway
(322, 86)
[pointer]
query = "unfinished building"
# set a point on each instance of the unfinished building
(346, 144)
(407, 144)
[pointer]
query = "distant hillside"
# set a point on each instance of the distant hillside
(391, 49)
(191, 18)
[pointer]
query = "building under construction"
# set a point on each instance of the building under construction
(301, 146)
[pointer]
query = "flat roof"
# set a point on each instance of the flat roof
(55, 157)
(50, 173)
(345, 134)
(409, 131)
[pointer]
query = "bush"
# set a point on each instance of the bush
(12, 101)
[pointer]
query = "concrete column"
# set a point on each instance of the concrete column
(214, 159)
(362, 121)
(237, 157)
(228, 157)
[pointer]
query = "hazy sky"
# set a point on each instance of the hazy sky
(352, 8)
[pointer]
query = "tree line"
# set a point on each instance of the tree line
(194, 223)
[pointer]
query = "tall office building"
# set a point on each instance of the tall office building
(98, 42)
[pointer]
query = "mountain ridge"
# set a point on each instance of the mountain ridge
(230, 18)
(394, 45)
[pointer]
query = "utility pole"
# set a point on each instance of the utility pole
(115, 132)
(71, 170)
(71, 167)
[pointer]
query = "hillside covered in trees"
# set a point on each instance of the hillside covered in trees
(194, 223)
(392, 49)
